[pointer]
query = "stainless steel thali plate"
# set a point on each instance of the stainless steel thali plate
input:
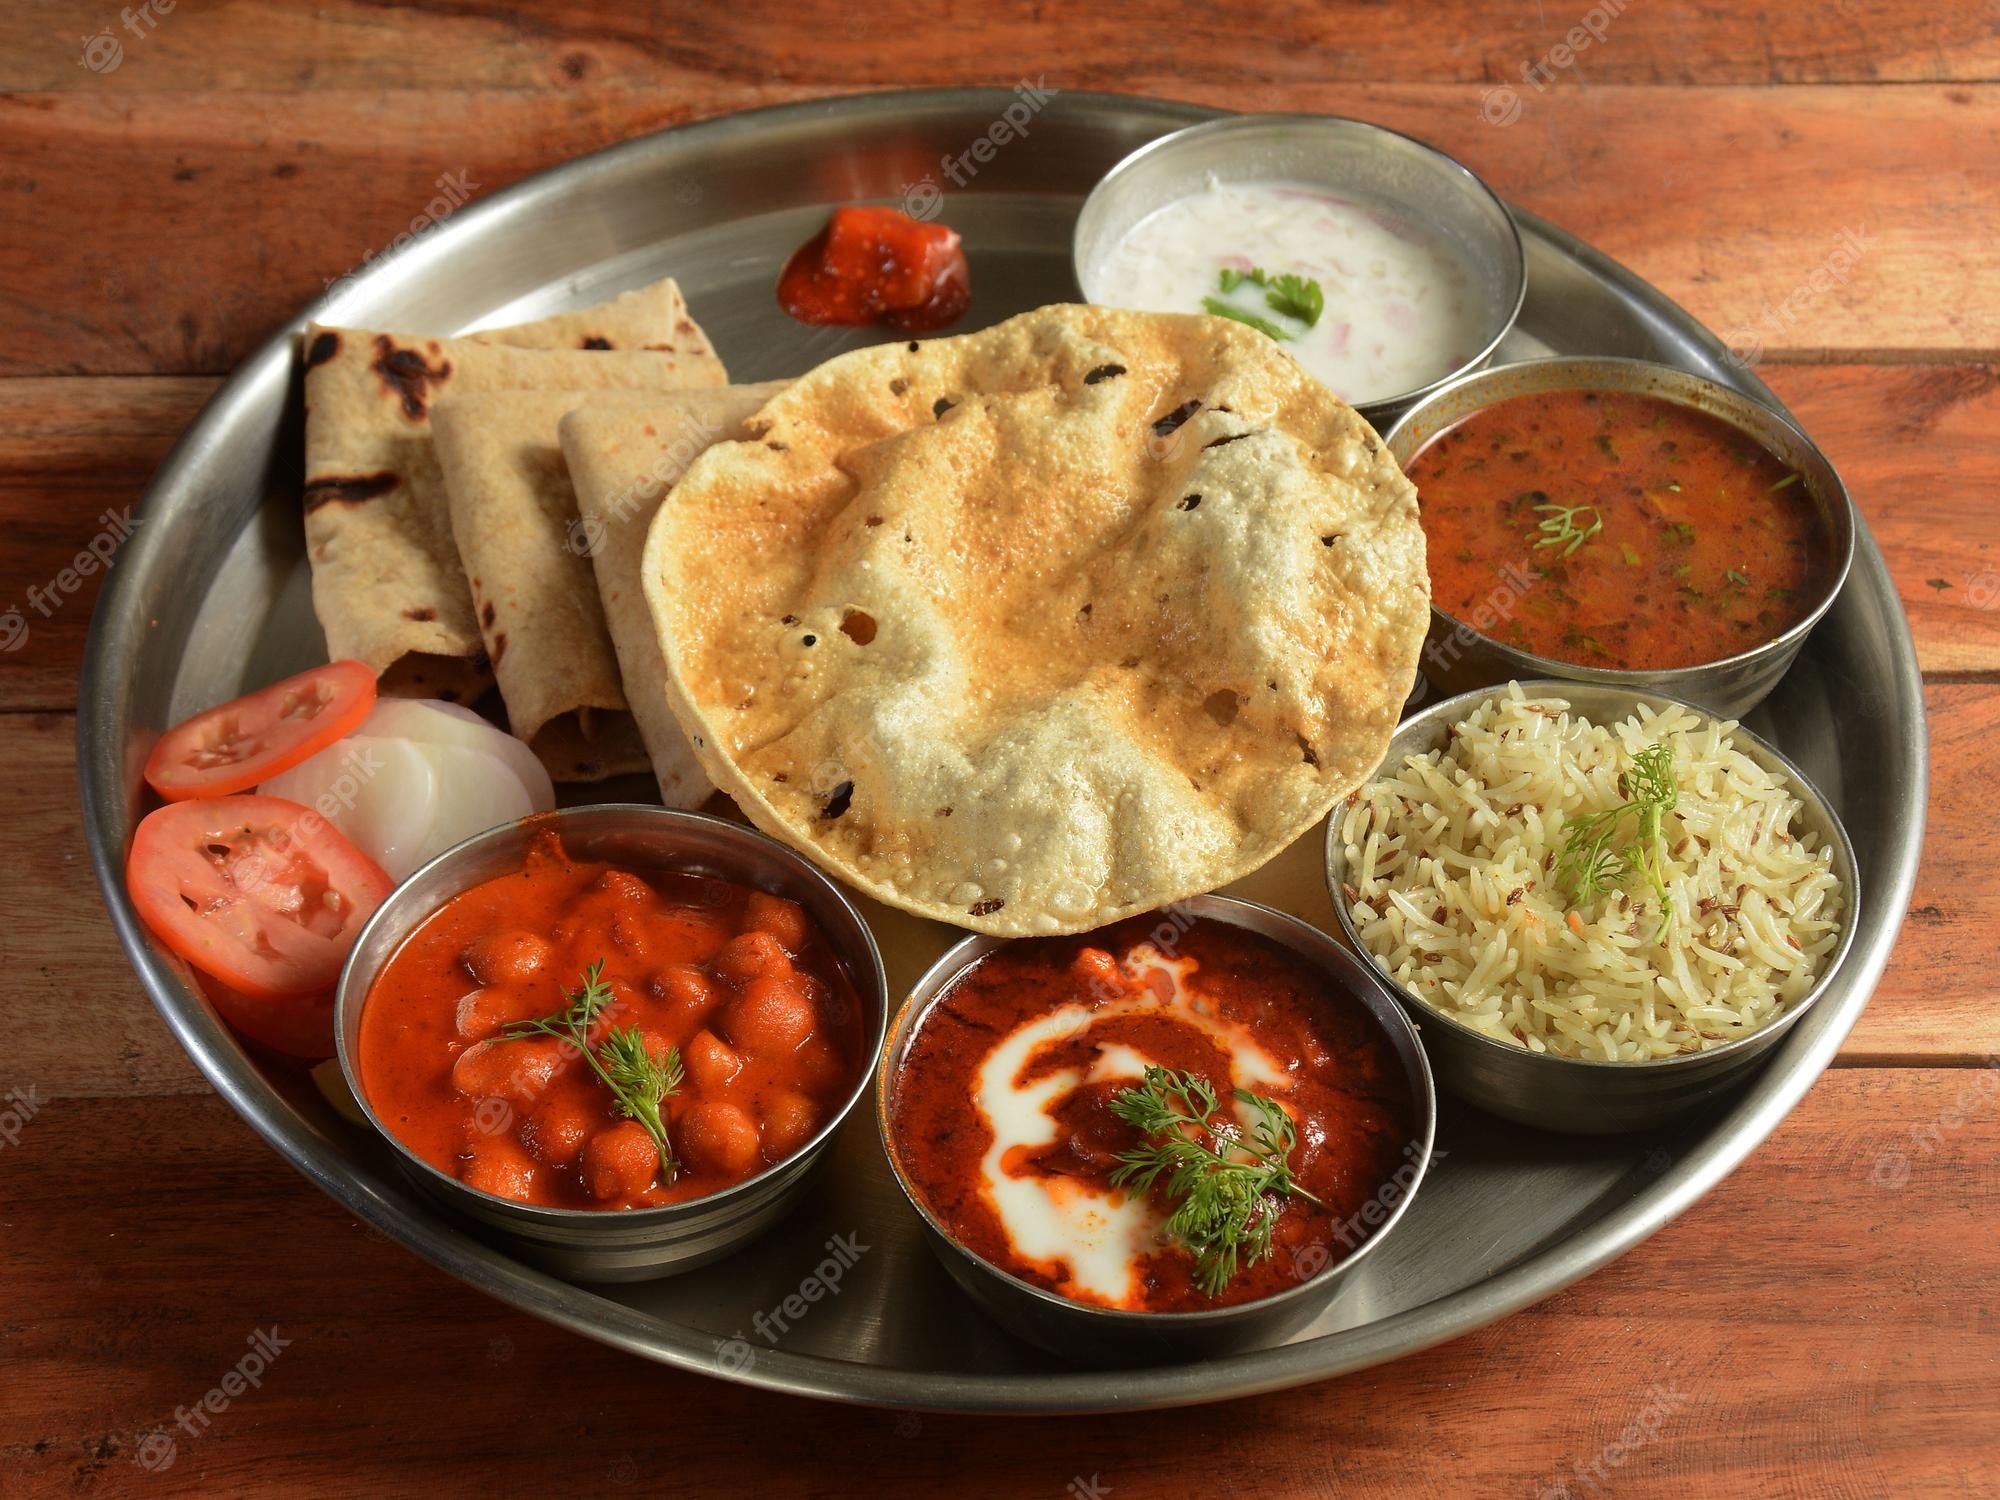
(210, 598)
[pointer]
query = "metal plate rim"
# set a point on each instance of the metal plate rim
(119, 623)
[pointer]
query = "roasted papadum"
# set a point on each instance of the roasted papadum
(1034, 628)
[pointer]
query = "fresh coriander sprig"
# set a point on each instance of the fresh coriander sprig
(1290, 295)
(1560, 526)
(1594, 860)
(639, 1081)
(1221, 309)
(1221, 1192)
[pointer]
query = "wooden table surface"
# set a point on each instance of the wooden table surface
(1826, 1323)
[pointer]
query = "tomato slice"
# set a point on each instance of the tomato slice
(235, 745)
(260, 893)
(298, 1025)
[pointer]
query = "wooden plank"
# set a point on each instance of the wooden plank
(1936, 1000)
(152, 1239)
(236, 208)
(75, 456)
(1919, 447)
(597, 43)
(1933, 1006)
(73, 1015)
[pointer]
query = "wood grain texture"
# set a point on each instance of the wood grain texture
(1934, 1005)
(1919, 447)
(202, 44)
(1863, 1365)
(235, 209)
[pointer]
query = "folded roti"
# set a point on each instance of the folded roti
(625, 451)
(652, 317)
(514, 520)
(388, 586)
(1035, 628)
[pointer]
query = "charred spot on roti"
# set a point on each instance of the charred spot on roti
(898, 386)
(942, 405)
(1169, 424)
(1222, 706)
(858, 626)
(408, 376)
(499, 645)
(914, 346)
(487, 615)
(839, 802)
(592, 341)
(1103, 372)
(872, 521)
(1329, 539)
(1189, 502)
(324, 346)
(789, 620)
(349, 489)
(810, 640)
(1306, 752)
(421, 613)
(987, 907)
(777, 447)
(1225, 440)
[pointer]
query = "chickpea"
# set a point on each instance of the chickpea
(515, 1071)
(709, 1061)
(482, 1012)
(500, 1167)
(717, 1137)
(784, 920)
(750, 954)
(686, 991)
(619, 1161)
(505, 957)
(556, 1130)
(770, 1018)
(790, 1118)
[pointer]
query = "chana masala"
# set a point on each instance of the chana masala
(1004, 1107)
(1610, 529)
(731, 992)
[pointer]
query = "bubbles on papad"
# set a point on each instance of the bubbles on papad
(1075, 696)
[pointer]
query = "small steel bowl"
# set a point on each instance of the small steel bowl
(1581, 1096)
(1114, 1336)
(621, 1244)
(1382, 168)
(1458, 658)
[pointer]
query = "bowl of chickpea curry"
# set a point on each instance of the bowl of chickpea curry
(620, 1036)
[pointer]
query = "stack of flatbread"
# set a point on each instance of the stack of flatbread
(446, 544)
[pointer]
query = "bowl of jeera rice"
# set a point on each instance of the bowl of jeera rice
(1599, 906)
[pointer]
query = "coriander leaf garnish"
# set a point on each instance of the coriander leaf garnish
(639, 1081)
(1221, 1192)
(1593, 860)
(1296, 297)
(1560, 526)
(1292, 295)
(1221, 309)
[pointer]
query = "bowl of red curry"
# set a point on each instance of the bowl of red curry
(1622, 523)
(1173, 1137)
(620, 1038)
